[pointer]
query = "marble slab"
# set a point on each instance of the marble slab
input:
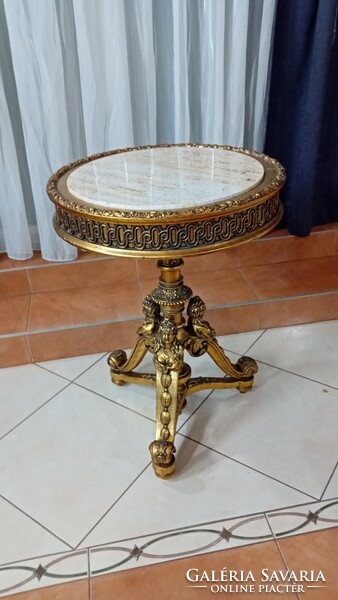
(165, 178)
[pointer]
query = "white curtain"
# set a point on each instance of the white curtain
(83, 76)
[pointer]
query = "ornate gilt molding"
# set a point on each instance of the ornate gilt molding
(59, 194)
(154, 238)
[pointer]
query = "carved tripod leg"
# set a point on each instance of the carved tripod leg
(119, 363)
(121, 366)
(199, 337)
(243, 371)
(167, 403)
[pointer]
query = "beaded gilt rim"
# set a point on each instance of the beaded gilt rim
(58, 192)
(168, 233)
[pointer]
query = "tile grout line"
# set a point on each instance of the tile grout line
(55, 535)
(112, 506)
(206, 524)
(160, 533)
(38, 364)
(67, 382)
(114, 402)
(298, 375)
(89, 575)
(328, 483)
(138, 317)
(253, 343)
(250, 467)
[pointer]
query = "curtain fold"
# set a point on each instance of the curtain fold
(303, 113)
(96, 75)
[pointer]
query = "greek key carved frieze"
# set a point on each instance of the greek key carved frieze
(169, 236)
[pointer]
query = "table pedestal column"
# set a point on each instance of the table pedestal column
(166, 334)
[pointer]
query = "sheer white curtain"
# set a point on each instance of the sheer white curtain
(83, 76)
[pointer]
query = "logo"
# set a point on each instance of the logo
(267, 581)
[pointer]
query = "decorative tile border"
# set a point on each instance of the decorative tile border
(129, 555)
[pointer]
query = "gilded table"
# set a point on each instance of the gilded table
(169, 202)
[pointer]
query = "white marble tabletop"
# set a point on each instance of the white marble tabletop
(165, 178)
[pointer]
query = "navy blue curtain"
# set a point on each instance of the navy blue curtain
(302, 128)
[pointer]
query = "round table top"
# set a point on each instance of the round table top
(166, 201)
(176, 177)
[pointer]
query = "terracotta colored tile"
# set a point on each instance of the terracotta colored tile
(14, 314)
(234, 319)
(82, 274)
(326, 227)
(84, 305)
(215, 261)
(294, 311)
(75, 590)
(148, 285)
(277, 233)
(14, 351)
(14, 283)
(273, 250)
(37, 259)
(168, 580)
(88, 255)
(336, 244)
(147, 269)
(221, 287)
(293, 278)
(315, 551)
(83, 340)
(10, 263)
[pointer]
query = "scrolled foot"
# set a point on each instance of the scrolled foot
(117, 359)
(163, 459)
(247, 366)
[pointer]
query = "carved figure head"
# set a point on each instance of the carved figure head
(168, 331)
(196, 308)
(150, 308)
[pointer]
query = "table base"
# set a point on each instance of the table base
(166, 334)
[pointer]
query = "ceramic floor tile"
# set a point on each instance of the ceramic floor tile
(332, 489)
(265, 251)
(239, 342)
(55, 309)
(67, 343)
(69, 463)
(316, 552)
(82, 274)
(141, 398)
(169, 581)
(206, 487)
(22, 537)
(75, 590)
(14, 314)
(71, 368)
(23, 390)
(310, 350)
(298, 310)
(14, 351)
(172, 545)
(14, 283)
(293, 278)
(304, 519)
(217, 288)
(43, 572)
(286, 427)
